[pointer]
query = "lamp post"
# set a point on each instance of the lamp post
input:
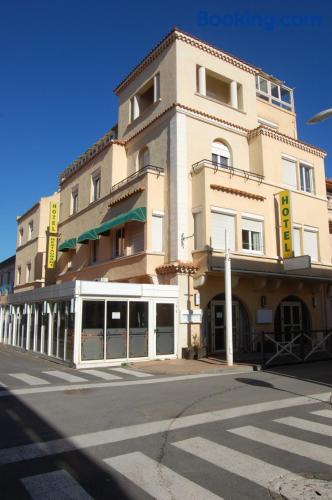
(320, 117)
(228, 304)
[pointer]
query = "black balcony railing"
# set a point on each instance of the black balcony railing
(136, 175)
(218, 167)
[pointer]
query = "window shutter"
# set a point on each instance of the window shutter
(289, 172)
(218, 148)
(310, 244)
(198, 228)
(219, 224)
(296, 241)
(252, 225)
(157, 233)
(136, 237)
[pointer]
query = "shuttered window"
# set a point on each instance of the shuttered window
(198, 230)
(157, 233)
(289, 173)
(220, 223)
(297, 241)
(135, 232)
(310, 244)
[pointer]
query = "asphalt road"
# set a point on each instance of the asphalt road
(115, 434)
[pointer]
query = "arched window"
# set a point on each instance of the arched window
(143, 157)
(221, 154)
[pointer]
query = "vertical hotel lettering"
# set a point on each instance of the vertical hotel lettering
(286, 224)
(52, 236)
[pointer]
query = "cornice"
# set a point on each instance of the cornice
(237, 192)
(177, 34)
(273, 134)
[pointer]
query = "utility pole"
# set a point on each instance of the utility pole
(228, 304)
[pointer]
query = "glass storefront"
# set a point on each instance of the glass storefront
(84, 327)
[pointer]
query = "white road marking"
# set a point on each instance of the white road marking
(47, 448)
(233, 461)
(100, 374)
(57, 485)
(105, 385)
(29, 379)
(134, 373)
(323, 413)
(68, 377)
(291, 445)
(306, 425)
(156, 479)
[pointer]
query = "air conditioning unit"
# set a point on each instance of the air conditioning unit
(102, 280)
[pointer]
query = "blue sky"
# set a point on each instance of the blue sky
(60, 61)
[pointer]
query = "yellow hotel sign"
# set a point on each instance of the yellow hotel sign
(286, 224)
(52, 238)
(51, 254)
(53, 218)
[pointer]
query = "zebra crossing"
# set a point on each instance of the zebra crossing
(88, 375)
(161, 480)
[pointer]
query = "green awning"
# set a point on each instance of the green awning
(87, 236)
(137, 214)
(68, 245)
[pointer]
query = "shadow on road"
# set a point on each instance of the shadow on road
(21, 426)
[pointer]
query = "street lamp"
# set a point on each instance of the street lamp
(320, 117)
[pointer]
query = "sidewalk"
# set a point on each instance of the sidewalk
(191, 367)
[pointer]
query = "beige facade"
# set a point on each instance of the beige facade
(204, 144)
(31, 251)
(203, 140)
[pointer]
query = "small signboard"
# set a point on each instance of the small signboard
(264, 316)
(296, 263)
(51, 255)
(191, 316)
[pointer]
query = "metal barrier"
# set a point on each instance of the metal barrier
(279, 348)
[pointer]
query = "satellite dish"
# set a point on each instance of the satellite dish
(323, 115)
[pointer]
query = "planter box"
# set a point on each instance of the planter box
(200, 353)
(188, 353)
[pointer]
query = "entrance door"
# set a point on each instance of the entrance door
(164, 329)
(291, 319)
(218, 325)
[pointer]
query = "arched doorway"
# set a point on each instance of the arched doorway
(217, 330)
(292, 315)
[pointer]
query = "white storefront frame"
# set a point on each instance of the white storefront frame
(76, 292)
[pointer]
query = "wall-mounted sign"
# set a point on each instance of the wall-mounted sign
(191, 316)
(53, 218)
(286, 224)
(264, 316)
(296, 263)
(51, 254)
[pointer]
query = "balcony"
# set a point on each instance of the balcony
(218, 167)
(148, 169)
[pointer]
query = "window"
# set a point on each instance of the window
(119, 242)
(146, 96)
(274, 93)
(20, 236)
(28, 273)
(252, 235)
(30, 233)
(198, 231)
(74, 201)
(96, 182)
(220, 223)
(135, 237)
(310, 243)
(94, 251)
(157, 233)
(143, 158)
(306, 178)
(19, 275)
(297, 241)
(221, 154)
(289, 172)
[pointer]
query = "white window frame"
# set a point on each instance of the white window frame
(73, 204)
(268, 97)
(297, 227)
(294, 161)
(20, 236)
(309, 229)
(160, 247)
(255, 218)
(227, 212)
(303, 166)
(30, 230)
(94, 178)
(220, 150)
